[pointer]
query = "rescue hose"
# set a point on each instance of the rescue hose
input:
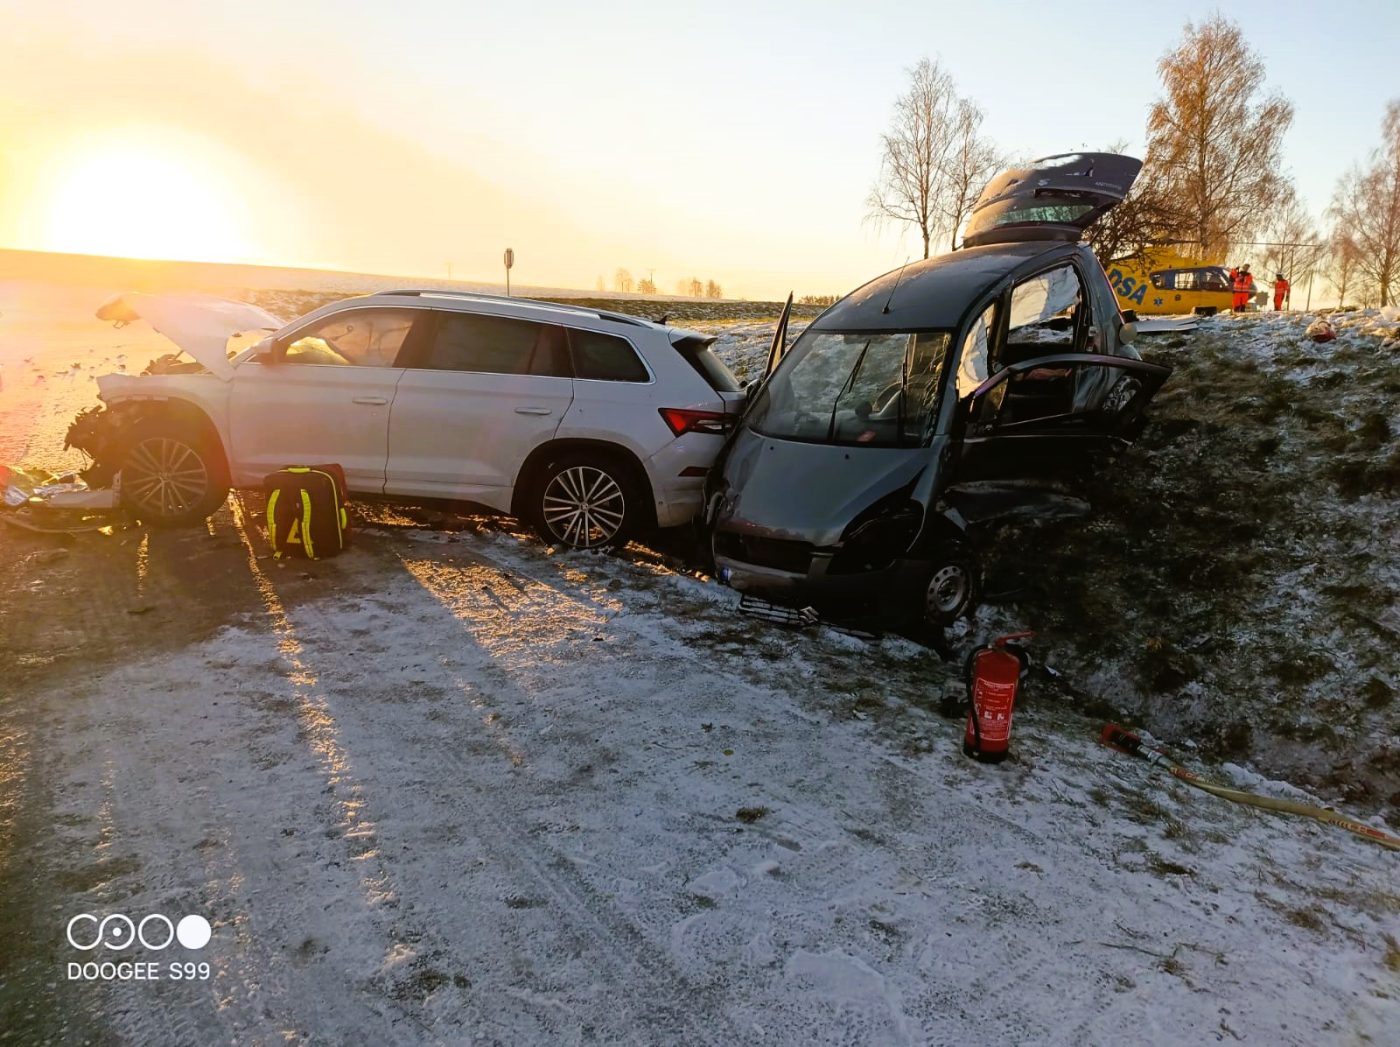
(1126, 741)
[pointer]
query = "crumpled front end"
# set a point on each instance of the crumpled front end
(100, 433)
(825, 524)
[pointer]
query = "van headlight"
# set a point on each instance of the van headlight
(879, 535)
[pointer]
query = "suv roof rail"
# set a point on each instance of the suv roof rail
(625, 318)
(446, 292)
(433, 292)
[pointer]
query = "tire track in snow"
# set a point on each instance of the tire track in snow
(255, 888)
(501, 752)
(829, 865)
(261, 975)
(666, 1001)
(828, 862)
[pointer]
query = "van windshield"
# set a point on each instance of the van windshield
(877, 390)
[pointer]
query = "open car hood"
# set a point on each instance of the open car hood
(200, 324)
(1055, 198)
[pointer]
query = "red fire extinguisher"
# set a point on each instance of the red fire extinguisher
(994, 672)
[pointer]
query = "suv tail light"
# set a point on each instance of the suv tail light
(681, 420)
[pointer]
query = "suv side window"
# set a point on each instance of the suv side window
(605, 358)
(355, 338)
(495, 345)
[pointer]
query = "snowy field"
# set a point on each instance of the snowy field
(484, 794)
(451, 788)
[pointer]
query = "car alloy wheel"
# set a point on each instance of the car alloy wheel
(948, 592)
(584, 506)
(164, 476)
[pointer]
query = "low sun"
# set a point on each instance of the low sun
(143, 200)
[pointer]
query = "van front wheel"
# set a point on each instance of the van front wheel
(949, 584)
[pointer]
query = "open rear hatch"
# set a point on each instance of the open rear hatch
(1055, 198)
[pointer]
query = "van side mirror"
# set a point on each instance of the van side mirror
(1127, 332)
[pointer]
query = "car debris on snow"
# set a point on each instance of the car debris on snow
(36, 500)
(1321, 330)
(1167, 325)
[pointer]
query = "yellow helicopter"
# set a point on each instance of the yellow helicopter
(1164, 282)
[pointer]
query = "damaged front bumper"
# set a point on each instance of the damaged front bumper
(798, 576)
(99, 433)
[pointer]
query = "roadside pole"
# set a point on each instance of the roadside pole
(510, 261)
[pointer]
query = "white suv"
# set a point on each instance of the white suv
(588, 424)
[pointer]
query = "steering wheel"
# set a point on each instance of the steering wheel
(884, 400)
(886, 404)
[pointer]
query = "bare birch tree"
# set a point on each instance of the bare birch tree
(915, 152)
(971, 162)
(622, 281)
(1215, 137)
(1366, 208)
(1343, 264)
(934, 161)
(1288, 222)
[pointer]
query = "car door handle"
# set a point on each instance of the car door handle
(373, 400)
(533, 410)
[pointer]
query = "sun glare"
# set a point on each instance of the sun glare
(139, 200)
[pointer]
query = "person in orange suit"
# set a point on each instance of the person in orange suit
(1244, 287)
(1280, 292)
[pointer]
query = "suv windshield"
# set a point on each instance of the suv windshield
(877, 390)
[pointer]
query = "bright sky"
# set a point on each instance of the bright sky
(730, 141)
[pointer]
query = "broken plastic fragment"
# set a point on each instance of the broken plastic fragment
(19, 485)
(78, 496)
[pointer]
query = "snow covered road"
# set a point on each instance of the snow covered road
(496, 798)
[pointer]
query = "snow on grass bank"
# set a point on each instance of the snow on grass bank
(567, 798)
